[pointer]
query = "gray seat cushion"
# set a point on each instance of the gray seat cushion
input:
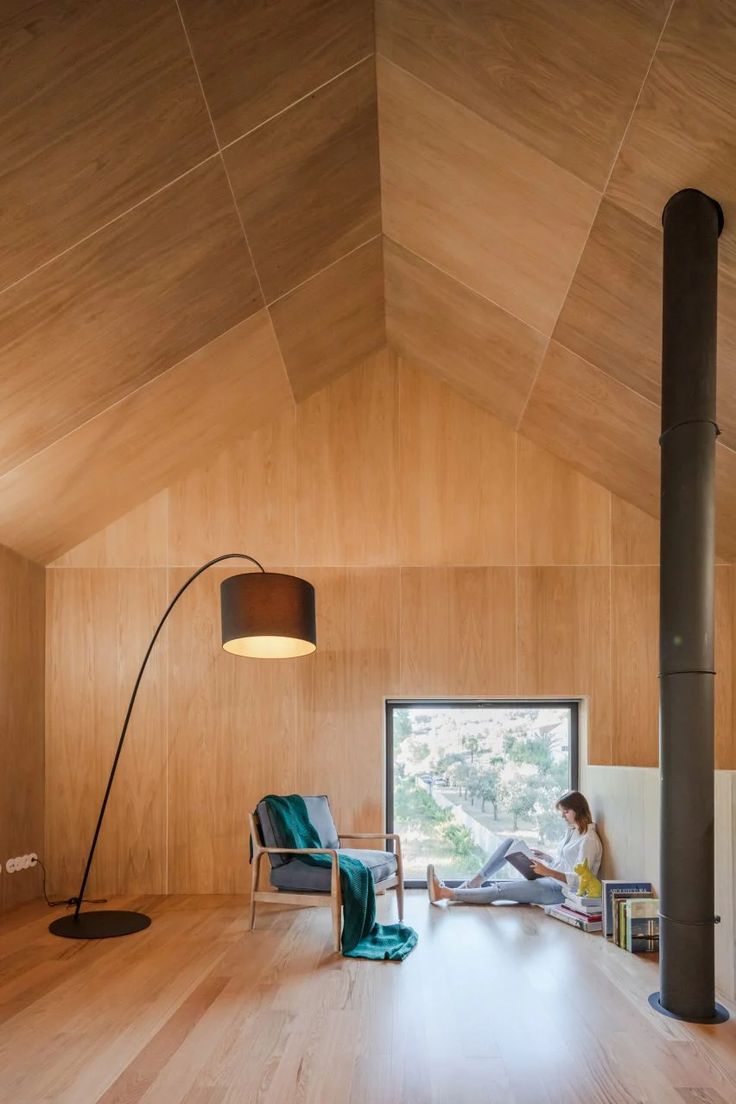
(299, 876)
(320, 815)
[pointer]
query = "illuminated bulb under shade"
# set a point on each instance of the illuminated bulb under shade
(266, 615)
(269, 647)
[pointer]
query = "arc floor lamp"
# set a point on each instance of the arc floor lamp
(265, 615)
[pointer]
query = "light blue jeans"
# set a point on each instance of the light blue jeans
(540, 891)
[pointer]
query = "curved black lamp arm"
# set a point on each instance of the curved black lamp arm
(227, 556)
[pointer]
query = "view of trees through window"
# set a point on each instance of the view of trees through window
(466, 775)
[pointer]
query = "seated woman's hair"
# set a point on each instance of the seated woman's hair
(574, 800)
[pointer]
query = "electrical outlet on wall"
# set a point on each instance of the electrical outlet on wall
(21, 862)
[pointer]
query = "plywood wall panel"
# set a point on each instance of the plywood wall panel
(232, 738)
(243, 501)
(138, 539)
(565, 642)
(333, 320)
(619, 277)
(442, 326)
(612, 315)
(681, 134)
(456, 477)
(81, 333)
(483, 195)
(307, 182)
(726, 502)
(458, 632)
(99, 623)
(634, 534)
(85, 140)
(22, 600)
(563, 518)
(341, 692)
(256, 59)
(347, 442)
(597, 425)
(576, 70)
(635, 665)
(83, 481)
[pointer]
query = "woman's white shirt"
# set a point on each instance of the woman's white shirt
(576, 847)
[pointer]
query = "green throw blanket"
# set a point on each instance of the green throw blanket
(362, 937)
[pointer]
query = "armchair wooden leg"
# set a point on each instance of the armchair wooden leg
(255, 868)
(400, 885)
(336, 907)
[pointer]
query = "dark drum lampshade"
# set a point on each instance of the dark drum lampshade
(268, 616)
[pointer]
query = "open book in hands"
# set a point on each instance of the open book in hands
(521, 858)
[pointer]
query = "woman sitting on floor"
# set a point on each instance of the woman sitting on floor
(580, 842)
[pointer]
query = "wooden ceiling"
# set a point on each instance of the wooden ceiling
(527, 151)
(197, 233)
(190, 217)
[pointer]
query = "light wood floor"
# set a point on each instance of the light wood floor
(498, 1005)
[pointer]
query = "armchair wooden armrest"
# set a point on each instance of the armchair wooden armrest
(259, 850)
(297, 850)
(375, 836)
(370, 835)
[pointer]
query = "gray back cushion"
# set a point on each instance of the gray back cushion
(320, 815)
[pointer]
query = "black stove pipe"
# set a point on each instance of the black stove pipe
(692, 223)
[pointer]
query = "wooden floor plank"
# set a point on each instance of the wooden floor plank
(496, 1004)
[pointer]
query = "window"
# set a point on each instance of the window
(462, 774)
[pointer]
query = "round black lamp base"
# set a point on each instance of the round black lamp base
(719, 1016)
(104, 924)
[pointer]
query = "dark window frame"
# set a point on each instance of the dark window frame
(573, 704)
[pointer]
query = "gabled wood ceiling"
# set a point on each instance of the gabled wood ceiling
(527, 151)
(190, 221)
(196, 232)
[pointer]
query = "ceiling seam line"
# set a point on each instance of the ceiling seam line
(106, 225)
(124, 398)
(462, 284)
(294, 103)
(614, 379)
(638, 98)
(281, 357)
(219, 151)
(559, 313)
(604, 196)
(535, 377)
(496, 126)
(326, 268)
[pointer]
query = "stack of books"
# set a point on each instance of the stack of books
(625, 923)
(580, 912)
(638, 925)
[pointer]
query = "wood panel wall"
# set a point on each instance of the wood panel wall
(450, 556)
(21, 723)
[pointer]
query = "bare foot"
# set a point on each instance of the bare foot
(436, 889)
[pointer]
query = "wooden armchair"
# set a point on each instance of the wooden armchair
(297, 883)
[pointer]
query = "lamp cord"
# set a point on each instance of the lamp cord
(69, 900)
